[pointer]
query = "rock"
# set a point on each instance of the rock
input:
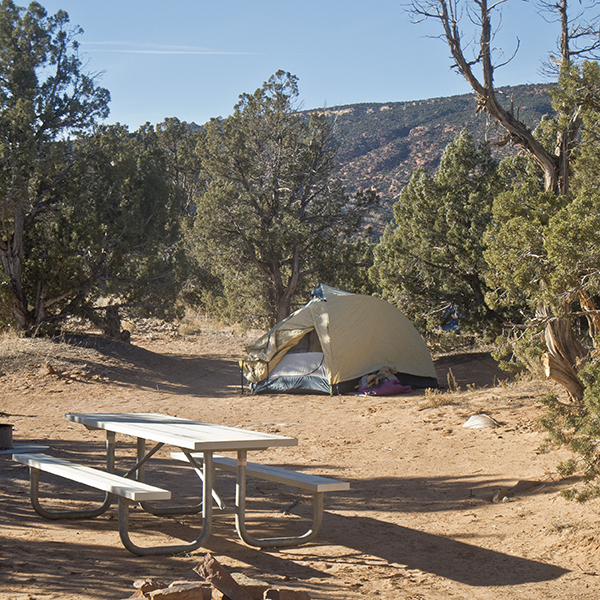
(500, 495)
(480, 422)
(46, 369)
(211, 570)
(255, 587)
(286, 594)
(187, 591)
(143, 586)
(523, 486)
(504, 494)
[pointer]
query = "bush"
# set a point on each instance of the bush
(577, 426)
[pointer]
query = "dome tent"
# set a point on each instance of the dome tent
(330, 343)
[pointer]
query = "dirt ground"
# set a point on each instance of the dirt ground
(418, 523)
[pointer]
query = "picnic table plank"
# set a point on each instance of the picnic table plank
(184, 433)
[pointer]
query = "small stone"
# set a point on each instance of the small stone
(500, 495)
(148, 585)
(46, 369)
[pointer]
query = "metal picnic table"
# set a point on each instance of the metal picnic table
(189, 436)
(197, 442)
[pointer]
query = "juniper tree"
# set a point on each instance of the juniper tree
(430, 260)
(273, 216)
(45, 97)
(553, 156)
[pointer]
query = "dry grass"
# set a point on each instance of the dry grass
(80, 344)
(434, 398)
(195, 322)
(19, 354)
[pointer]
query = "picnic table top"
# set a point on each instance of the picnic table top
(184, 433)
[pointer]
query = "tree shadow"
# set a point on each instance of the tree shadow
(435, 554)
(133, 366)
(436, 494)
(212, 375)
(476, 369)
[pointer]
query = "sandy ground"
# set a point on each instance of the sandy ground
(418, 523)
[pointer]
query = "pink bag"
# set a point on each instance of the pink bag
(387, 388)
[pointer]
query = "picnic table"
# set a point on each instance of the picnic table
(198, 444)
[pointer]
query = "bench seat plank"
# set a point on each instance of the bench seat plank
(107, 482)
(309, 483)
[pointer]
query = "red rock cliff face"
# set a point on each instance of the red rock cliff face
(380, 146)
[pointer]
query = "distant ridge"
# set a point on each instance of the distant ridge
(382, 144)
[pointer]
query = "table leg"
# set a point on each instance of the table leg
(141, 452)
(272, 542)
(140, 474)
(170, 510)
(111, 444)
(207, 489)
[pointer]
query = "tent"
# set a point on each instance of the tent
(332, 342)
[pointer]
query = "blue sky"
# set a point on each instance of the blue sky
(191, 59)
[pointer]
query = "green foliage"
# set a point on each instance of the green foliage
(87, 215)
(573, 240)
(519, 348)
(519, 269)
(430, 261)
(543, 250)
(45, 97)
(578, 428)
(272, 217)
(351, 272)
(178, 141)
(113, 232)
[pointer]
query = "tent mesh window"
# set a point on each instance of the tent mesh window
(308, 343)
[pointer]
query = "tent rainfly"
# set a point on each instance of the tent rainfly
(328, 345)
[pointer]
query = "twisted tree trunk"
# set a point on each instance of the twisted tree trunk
(592, 316)
(564, 357)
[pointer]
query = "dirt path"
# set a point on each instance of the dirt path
(418, 523)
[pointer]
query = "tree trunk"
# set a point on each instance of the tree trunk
(517, 132)
(565, 355)
(11, 255)
(593, 318)
(284, 294)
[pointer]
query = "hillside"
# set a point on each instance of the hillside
(381, 145)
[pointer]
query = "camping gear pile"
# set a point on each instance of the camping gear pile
(333, 342)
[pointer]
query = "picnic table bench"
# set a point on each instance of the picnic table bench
(314, 485)
(311, 484)
(126, 489)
